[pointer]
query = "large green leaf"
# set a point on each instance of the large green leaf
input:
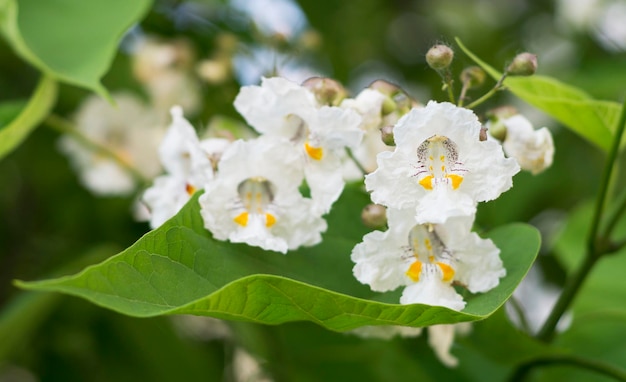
(37, 108)
(179, 268)
(71, 40)
(592, 119)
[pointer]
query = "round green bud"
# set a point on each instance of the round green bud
(374, 216)
(327, 91)
(524, 64)
(473, 76)
(439, 57)
(386, 134)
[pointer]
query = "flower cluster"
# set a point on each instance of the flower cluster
(252, 188)
(431, 184)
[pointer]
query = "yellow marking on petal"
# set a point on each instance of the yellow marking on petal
(242, 219)
(442, 158)
(431, 259)
(456, 180)
(448, 272)
(414, 271)
(430, 157)
(428, 245)
(270, 220)
(427, 182)
(190, 189)
(443, 168)
(314, 152)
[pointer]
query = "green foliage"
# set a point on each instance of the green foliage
(70, 40)
(179, 268)
(21, 124)
(592, 119)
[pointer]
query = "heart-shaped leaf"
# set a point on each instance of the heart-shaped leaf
(180, 268)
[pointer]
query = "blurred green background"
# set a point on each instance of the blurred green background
(51, 225)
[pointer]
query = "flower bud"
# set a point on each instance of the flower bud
(483, 134)
(384, 87)
(524, 64)
(327, 91)
(439, 57)
(386, 134)
(397, 99)
(374, 216)
(472, 77)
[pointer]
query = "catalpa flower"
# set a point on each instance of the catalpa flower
(190, 164)
(440, 168)
(532, 149)
(281, 108)
(427, 259)
(254, 198)
(131, 131)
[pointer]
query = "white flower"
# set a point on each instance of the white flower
(440, 168)
(426, 259)
(166, 70)
(281, 108)
(441, 338)
(533, 149)
(254, 198)
(190, 165)
(368, 103)
(129, 130)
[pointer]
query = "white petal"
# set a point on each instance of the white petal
(431, 290)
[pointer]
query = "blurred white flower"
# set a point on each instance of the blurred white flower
(441, 339)
(166, 69)
(427, 259)
(440, 168)
(129, 130)
(285, 19)
(189, 163)
(281, 108)
(532, 149)
(255, 199)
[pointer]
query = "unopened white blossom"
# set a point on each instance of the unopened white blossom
(189, 163)
(532, 149)
(129, 130)
(255, 199)
(281, 108)
(426, 259)
(440, 168)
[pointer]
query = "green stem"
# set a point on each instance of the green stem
(497, 87)
(520, 313)
(356, 162)
(616, 215)
(596, 245)
(64, 126)
(583, 363)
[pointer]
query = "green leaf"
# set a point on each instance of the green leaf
(592, 119)
(37, 108)
(179, 268)
(73, 41)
